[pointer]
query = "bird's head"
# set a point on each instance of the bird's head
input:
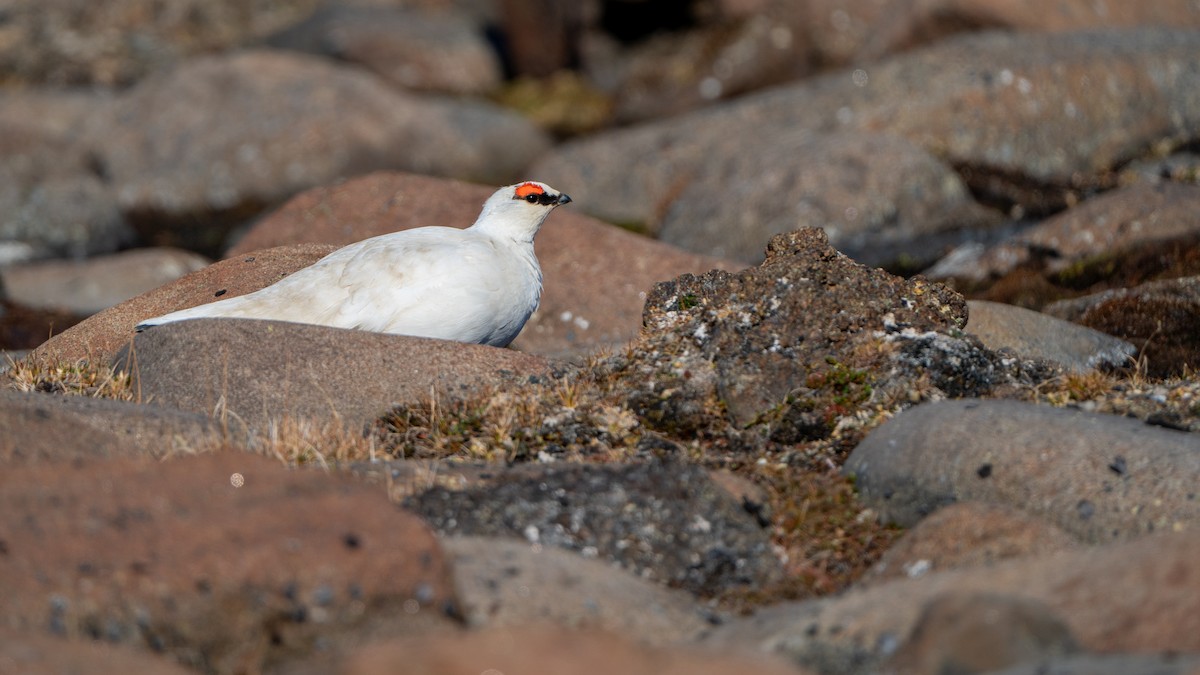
(517, 211)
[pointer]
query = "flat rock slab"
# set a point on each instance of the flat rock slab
(595, 276)
(41, 427)
(505, 582)
(1040, 336)
(260, 372)
(666, 522)
(99, 337)
(1099, 477)
(226, 562)
(1111, 664)
(552, 650)
(1136, 596)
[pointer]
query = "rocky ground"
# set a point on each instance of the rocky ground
(868, 344)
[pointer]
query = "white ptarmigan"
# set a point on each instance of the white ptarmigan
(477, 285)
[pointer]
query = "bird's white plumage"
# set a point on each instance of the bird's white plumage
(478, 285)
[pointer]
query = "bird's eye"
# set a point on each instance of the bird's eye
(531, 198)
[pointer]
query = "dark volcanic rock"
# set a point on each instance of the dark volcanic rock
(1161, 318)
(666, 522)
(807, 336)
(1099, 477)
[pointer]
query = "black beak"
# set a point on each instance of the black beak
(564, 199)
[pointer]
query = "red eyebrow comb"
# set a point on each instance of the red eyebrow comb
(525, 189)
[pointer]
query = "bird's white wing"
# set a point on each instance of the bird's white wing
(435, 282)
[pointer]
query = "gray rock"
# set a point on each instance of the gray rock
(1041, 134)
(1100, 477)
(1041, 336)
(88, 286)
(880, 199)
(505, 582)
(259, 126)
(264, 372)
(1137, 596)
(51, 199)
(666, 522)
(443, 51)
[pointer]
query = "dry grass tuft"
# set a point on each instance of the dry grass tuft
(78, 378)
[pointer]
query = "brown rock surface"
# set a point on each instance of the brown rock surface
(505, 582)
(260, 372)
(546, 650)
(964, 535)
(99, 337)
(30, 653)
(225, 562)
(41, 427)
(595, 275)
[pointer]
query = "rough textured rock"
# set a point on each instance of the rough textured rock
(1019, 113)
(1040, 336)
(982, 633)
(1153, 612)
(595, 275)
(86, 287)
(547, 650)
(31, 653)
(42, 427)
(968, 534)
(263, 372)
(880, 199)
(1161, 318)
(666, 522)
(503, 582)
(99, 337)
(225, 562)
(806, 336)
(443, 51)
(1097, 230)
(1099, 477)
(264, 125)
